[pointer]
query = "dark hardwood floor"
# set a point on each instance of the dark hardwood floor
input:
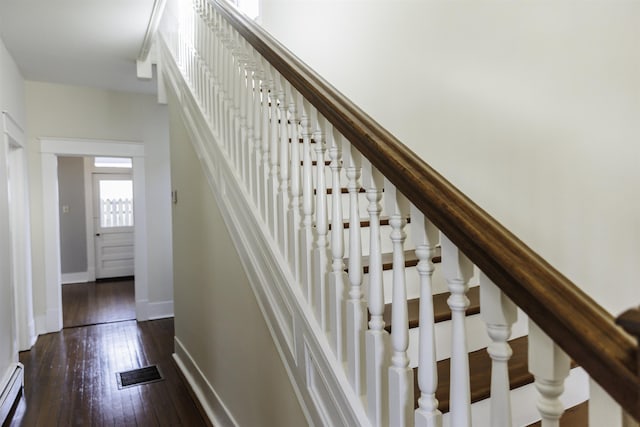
(70, 378)
(98, 302)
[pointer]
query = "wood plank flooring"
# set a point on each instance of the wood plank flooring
(98, 302)
(70, 376)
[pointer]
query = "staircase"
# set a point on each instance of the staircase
(362, 257)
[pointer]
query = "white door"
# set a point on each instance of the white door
(113, 225)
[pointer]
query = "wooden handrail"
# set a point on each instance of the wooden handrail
(581, 327)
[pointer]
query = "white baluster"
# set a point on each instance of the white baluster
(206, 58)
(229, 88)
(236, 100)
(549, 366)
(262, 94)
(295, 190)
(355, 307)
(270, 122)
(605, 411)
(401, 396)
(268, 145)
(457, 270)
(376, 337)
(228, 91)
(254, 154)
(285, 146)
(306, 244)
(499, 313)
(425, 236)
(321, 249)
(219, 76)
(337, 277)
(247, 75)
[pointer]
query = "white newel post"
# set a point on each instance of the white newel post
(355, 307)
(337, 277)
(401, 396)
(549, 366)
(321, 247)
(499, 313)
(376, 337)
(425, 236)
(457, 270)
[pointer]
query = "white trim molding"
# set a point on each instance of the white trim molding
(20, 234)
(209, 399)
(78, 277)
(160, 310)
(324, 392)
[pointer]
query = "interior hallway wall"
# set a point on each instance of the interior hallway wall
(218, 319)
(12, 102)
(530, 108)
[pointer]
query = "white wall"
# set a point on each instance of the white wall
(11, 101)
(76, 112)
(530, 107)
(218, 321)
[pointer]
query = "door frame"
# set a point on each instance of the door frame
(50, 149)
(20, 232)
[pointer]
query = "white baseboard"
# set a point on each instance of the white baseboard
(208, 398)
(160, 310)
(79, 277)
(10, 389)
(41, 325)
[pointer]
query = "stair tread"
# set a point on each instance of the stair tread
(343, 190)
(441, 311)
(410, 260)
(366, 223)
(576, 416)
(315, 163)
(301, 140)
(480, 372)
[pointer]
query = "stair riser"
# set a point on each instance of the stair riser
(439, 285)
(523, 408)
(477, 337)
(385, 241)
(363, 204)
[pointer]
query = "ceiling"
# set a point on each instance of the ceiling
(91, 43)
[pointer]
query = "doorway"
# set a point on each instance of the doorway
(113, 225)
(51, 148)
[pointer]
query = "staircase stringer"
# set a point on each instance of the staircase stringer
(317, 377)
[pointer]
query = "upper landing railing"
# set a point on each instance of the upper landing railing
(244, 80)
